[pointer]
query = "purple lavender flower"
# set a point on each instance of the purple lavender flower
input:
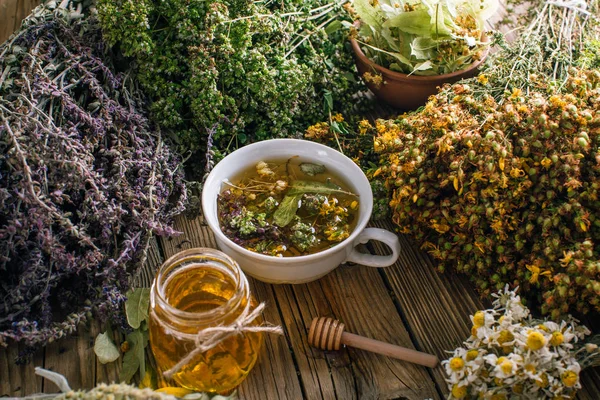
(84, 182)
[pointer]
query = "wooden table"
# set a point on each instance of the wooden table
(409, 304)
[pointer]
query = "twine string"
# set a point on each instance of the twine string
(209, 338)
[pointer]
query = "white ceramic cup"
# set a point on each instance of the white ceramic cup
(307, 268)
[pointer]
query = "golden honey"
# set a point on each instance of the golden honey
(194, 290)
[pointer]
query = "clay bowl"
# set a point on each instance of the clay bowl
(408, 92)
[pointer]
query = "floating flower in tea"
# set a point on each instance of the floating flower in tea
(287, 209)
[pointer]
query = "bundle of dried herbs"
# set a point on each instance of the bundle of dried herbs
(84, 181)
(254, 70)
(550, 38)
(505, 193)
(498, 176)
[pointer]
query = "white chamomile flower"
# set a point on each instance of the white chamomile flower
(509, 301)
(515, 355)
(456, 366)
(483, 318)
(530, 369)
(505, 368)
(569, 376)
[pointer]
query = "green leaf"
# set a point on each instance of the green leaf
(442, 22)
(134, 359)
(130, 366)
(334, 26)
(422, 48)
(403, 59)
(105, 349)
(392, 41)
(423, 66)
(416, 22)
(339, 128)
(302, 187)
(287, 209)
(328, 97)
(367, 13)
(396, 67)
(137, 306)
(311, 169)
(349, 76)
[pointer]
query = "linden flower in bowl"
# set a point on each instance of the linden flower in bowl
(426, 37)
(404, 50)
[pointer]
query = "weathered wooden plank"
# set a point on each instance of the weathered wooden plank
(24, 8)
(195, 233)
(19, 380)
(275, 374)
(436, 307)
(74, 358)
(299, 304)
(8, 18)
(590, 382)
(12, 12)
(358, 297)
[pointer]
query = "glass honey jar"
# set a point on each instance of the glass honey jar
(194, 290)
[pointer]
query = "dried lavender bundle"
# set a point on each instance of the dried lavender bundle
(84, 182)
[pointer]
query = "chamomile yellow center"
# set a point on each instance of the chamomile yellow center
(542, 381)
(506, 366)
(505, 337)
(472, 355)
(569, 378)
(535, 341)
(460, 392)
(557, 338)
(479, 319)
(457, 363)
(530, 368)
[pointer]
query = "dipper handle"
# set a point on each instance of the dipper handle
(328, 334)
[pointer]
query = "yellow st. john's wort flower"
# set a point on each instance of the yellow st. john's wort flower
(536, 272)
(568, 255)
(337, 117)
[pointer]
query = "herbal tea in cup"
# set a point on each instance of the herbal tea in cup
(287, 208)
(341, 179)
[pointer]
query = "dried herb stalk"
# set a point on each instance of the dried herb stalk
(84, 182)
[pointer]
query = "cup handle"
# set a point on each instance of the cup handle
(371, 260)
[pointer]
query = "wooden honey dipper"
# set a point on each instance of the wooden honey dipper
(328, 334)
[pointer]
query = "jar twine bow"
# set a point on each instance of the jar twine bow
(209, 338)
